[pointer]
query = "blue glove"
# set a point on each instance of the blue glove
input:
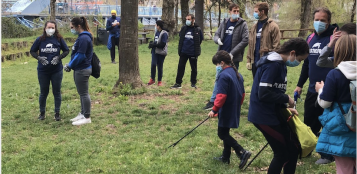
(296, 96)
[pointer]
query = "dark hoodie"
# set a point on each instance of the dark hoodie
(310, 69)
(268, 91)
(82, 52)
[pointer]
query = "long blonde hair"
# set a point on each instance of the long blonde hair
(345, 49)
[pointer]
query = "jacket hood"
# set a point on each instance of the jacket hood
(86, 33)
(270, 57)
(348, 68)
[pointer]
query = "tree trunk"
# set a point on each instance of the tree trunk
(219, 12)
(353, 12)
(53, 10)
(128, 52)
(184, 11)
(305, 16)
(168, 15)
(199, 20)
(176, 17)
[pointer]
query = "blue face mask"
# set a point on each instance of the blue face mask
(155, 29)
(219, 68)
(235, 16)
(188, 23)
(256, 16)
(319, 26)
(74, 31)
(292, 63)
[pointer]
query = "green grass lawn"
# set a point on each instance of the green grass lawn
(128, 134)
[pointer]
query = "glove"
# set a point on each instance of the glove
(151, 45)
(67, 68)
(55, 60)
(231, 56)
(249, 66)
(219, 41)
(43, 60)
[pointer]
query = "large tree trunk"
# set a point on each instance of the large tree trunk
(353, 12)
(199, 19)
(168, 15)
(184, 11)
(53, 10)
(305, 16)
(176, 17)
(219, 12)
(128, 52)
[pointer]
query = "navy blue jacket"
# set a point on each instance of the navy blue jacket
(82, 52)
(113, 30)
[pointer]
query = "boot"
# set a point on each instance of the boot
(244, 158)
(222, 159)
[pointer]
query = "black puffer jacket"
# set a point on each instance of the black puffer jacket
(197, 37)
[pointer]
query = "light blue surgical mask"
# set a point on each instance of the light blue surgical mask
(188, 23)
(155, 30)
(235, 16)
(256, 15)
(292, 63)
(319, 26)
(74, 31)
(219, 68)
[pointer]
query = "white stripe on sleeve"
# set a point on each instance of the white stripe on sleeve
(265, 84)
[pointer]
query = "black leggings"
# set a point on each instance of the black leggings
(229, 142)
(284, 147)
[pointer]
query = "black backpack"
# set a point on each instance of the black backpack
(95, 66)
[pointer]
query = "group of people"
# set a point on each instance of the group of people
(325, 49)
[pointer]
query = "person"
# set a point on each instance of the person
(264, 36)
(231, 36)
(81, 58)
(309, 70)
(189, 48)
(324, 60)
(230, 97)
(46, 49)
(268, 98)
(113, 26)
(336, 138)
(158, 52)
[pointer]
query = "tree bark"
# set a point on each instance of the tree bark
(53, 10)
(176, 17)
(219, 12)
(168, 15)
(305, 17)
(184, 11)
(353, 12)
(199, 19)
(128, 52)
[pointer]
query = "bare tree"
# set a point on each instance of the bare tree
(305, 17)
(176, 17)
(128, 52)
(53, 10)
(353, 11)
(168, 15)
(184, 10)
(199, 19)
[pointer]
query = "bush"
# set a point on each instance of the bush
(11, 28)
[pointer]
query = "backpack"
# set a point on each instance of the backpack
(311, 36)
(96, 66)
(350, 116)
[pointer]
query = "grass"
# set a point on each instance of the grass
(129, 133)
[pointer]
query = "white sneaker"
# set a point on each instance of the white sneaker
(82, 121)
(78, 117)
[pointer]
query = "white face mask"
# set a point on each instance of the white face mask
(50, 32)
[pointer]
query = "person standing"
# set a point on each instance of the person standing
(189, 48)
(264, 36)
(46, 49)
(113, 26)
(81, 58)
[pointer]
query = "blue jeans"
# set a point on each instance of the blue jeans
(56, 81)
(157, 60)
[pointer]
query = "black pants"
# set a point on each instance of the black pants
(284, 147)
(115, 41)
(229, 142)
(182, 66)
(254, 69)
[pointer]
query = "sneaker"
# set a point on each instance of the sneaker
(193, 85)
(42, 116)
(78, 117)
(82, 121)
(57, 117)
(208, 106)
(113, 62)
(151, 81)
(176, 86)
(244, 159)
(222, 159)
(159, 83)
(323, 161)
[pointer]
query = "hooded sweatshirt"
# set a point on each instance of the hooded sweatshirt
(268, 91)
(82, 52)
(336, 88)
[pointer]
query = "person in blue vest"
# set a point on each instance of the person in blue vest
(309, 70)
(46, 49)
(158, 52)
(268, 97)
(189, 48)
(81, 58)
(113, 26)
(227, 105)
(336, 138)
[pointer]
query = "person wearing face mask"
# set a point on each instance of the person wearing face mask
(113, 26)
(189, 48)
(81, 58)
(264, 36)
(268, 98)
(231, 36)
(46, 49)
(317, 40)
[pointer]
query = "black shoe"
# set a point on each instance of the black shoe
(222, 159)
(244, 159)
(176, 86)
(193, 85)
(42, 116)
(208, 106)
(113, 62)
(57, 117)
